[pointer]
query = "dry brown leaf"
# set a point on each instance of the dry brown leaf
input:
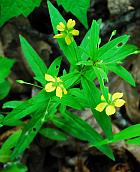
(130, 95)
(134, 150)
(120, 167)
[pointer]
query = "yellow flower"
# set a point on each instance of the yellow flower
(109, 106)
(55, 83)
(67, 31)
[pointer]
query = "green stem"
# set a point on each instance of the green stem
(27, 83)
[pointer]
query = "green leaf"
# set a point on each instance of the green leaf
(10, 9)
(122, 72)
(125, 51)
(90, 91)
(104, 121)
(35, 62)
(102, 77)
(4, 89)
(94, 39)
(30, 131)
(78, 8)
(5, 151)
(110, 49)
(70, 79)
(5, 67)
(135, 141)
(54, 67)
(80, 97)
(127, 133)
(86, 63)
(90, 73)
(89, 45)
(28, 107)
(53, 134)
(70, 51)
(71, 101)
(84, 47)
(64, 125)
(12, 104)
(15, 123)
(78, 128)
(93, 97)
(53, 104)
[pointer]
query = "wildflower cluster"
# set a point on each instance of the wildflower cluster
(109, 106)
(67, 31)
(55, 83)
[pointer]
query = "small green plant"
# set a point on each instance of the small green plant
(73, 88)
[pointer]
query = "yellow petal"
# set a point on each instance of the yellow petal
(100, 107)
(49, 78)
(61, 26)
(58, 36)
(49, 87)
(71, 23)
(119, 102)
(58, 79)
(59, 92)
(65, 91)
(110, 110)
(117, 96)
(68, 40)
(75, 32)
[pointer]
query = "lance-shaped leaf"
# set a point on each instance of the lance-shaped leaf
(73, 125)
(71, 78)
(128, 133)
(29, 131)
(35, 62)
(12, 104)
(110, 49)
(135, 141)
(71, 101)
(124, 52)
(79, 97)
(94, 39)
(5, 151)
(90, 43)
(53, 134)
(27, 107)
(102, 78)
(122, 72)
